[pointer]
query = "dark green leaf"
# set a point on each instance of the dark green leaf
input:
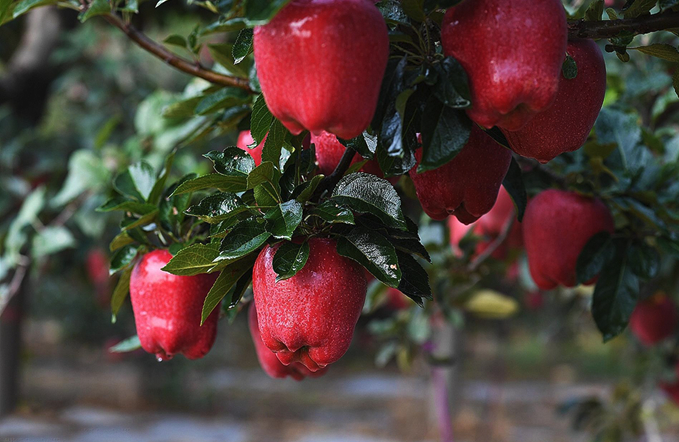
(120, 292)
(246, 237)
(122, 258)
(569, 69)
(598, 251)
(120, 203)
(232, 162)
(445, 131)
(213, 181)
(274, 143)
(374, 252)
(218, 207)
(366, 193)
(644, 260)
(259, 12)
(261, 119)
(514, 185)
(595, 11)
(243, 45)
(333, 213)
(229, 276)
(136, 182)
(223, 98)
(193, 260)
(290, 258)
(452, 85)
(415, 280)
(284, 219)
(97, 7)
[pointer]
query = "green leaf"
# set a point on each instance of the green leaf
(213, 181)
(595, 11)
(261, 119)
(136, 182)
(413, 9)
(96, 7)
(259, 12)
(452, 85)
(126, 346)
(121, 240)
(366, 193)
(243, 45)
(229, 276)
(598, 251)
(223, 98)
(123, 258)
(644, 260)
(308, 189)
(660, 50)
(176, 40)
(374, 252)
(86, 172)
(284, 219)
(445, 131)
(246, 237)
(232, 162)
(639, 7)
(569, 69)
(333, 213)
(218, 207)
(514, 185)
(289, 259)
(120, 203)
(222, 54)
(274, 142)
(193, 260)
(182, 109)
(133, 223)
(264, 173)
(415, 280)
(120, 292)
(615, 295)
(52, 240)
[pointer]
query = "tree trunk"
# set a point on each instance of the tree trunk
(10, 351)
(446, 386)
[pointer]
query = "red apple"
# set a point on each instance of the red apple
(167, 309)
(396, 300)
(565, 126)
(467, 186)
(329, 152)
(268, 360)
(489, 227)
(654, 319)
(245, 139)
(512, 52)
(320, 65)
(309, 318)
(556, 227)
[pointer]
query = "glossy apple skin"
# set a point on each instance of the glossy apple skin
(556, 227)
(309, 318)
(329, 152)
(490, 226)
(513, 53)
(565, 126)
(467, 186)
(245, 139)
(268, 360)
(320, 65)
(654, 319)
(167, 309)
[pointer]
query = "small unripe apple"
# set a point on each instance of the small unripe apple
(245, 139)
(467, 186)
(654, 319)
(329, 152)
(556, 227)
(167, 309)
(268, 360)
(309, 318)
(565, 126)
(320, 65)
(489, 227)
(512, 52)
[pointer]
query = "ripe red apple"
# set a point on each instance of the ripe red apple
(329, 152)
(320, 65)
(564, 127)
(309, 318)
(245, 139)
(654, 319)
(268, 360)
(489, 227)
(167, 309)
(467, 186)
(556, 227)
(512, 52)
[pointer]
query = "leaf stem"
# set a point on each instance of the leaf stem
(328, 183)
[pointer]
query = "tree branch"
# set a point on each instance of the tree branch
(331, 180)
(174, 60)
(629, 26)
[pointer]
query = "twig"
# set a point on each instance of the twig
(629, 26)
(174, 60)
(331, 180)
(476, 263)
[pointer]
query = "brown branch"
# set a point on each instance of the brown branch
(331, 180)
(173, 59)
(629, 26)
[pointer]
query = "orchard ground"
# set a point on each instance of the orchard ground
(514, 386)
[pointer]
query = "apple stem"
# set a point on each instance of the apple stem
(329, 182)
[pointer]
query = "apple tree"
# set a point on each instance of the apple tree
(413, 148)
